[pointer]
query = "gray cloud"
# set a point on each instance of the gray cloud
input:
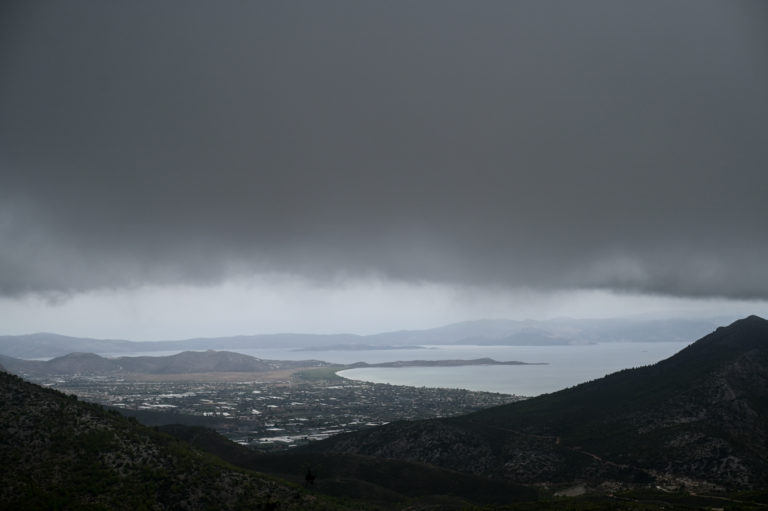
(551, 145)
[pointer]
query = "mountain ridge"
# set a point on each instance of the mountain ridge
(484, 332)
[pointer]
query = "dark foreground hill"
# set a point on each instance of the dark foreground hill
(385, 483)
(60, 453)
(697, 419)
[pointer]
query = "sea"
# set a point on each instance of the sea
(557, 367)
(560, 366)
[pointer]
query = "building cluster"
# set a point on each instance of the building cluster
(279, 414)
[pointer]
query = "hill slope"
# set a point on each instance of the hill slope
(181, 363)
(58, 453)
(385, 482)
(699, 417)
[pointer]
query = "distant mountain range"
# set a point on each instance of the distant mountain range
(482, 332)
(699, 418)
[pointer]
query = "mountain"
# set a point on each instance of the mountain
(44, 345)
(60, 453)
(698, 418)
(181, 363)
(554, 331)
(208, 361)
(484, 332)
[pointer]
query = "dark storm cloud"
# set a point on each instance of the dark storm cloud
(547, 144)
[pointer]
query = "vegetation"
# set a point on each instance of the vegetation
(384, 482)
(320, 373)
(61, 453)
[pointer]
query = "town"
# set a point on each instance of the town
(274, 413)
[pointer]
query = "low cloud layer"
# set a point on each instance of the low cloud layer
(548, 145)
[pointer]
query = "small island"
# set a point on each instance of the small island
(442, 363)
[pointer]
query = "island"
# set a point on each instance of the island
(442, 363)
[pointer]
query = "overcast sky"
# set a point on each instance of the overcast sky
(175, 168)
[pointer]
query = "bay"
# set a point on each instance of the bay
(564, 367)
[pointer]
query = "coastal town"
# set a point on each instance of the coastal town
(274, 412)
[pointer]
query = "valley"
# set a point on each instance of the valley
(688, 432)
